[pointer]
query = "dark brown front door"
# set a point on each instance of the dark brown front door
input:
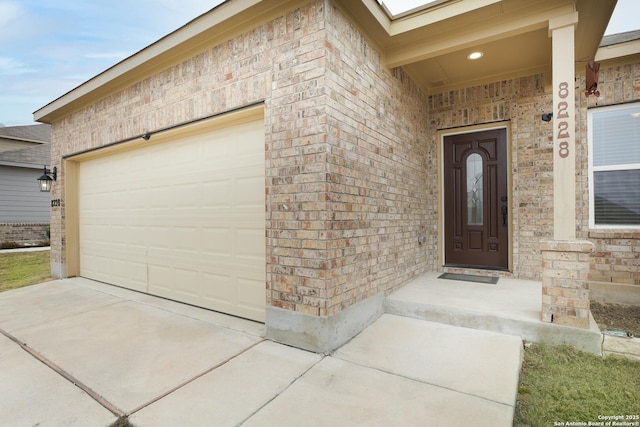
(475, 200)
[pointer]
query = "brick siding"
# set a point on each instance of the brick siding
(350, 153)
(616, 256)
(345, 148)
(520, 101)
(22, 234)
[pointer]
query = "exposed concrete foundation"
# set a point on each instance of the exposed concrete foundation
(615, 293)
(58, 270)
(322, 334)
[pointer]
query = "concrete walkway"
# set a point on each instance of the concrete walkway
(76, 352)
(512, 306)
(29, 249)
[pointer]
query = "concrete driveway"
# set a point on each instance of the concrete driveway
(75, 352)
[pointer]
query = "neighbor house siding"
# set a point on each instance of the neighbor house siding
(20, 199)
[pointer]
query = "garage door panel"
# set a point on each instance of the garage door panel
(183, 219)
(248, 290)
(250, 192)
(217, 194)
(250, 243)
(218, 288)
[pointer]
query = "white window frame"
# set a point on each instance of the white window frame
(592, 168)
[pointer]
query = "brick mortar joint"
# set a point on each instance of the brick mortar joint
(585, 246)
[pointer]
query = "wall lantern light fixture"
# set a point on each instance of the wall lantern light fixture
(47, 178)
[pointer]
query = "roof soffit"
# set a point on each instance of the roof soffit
(432, 44)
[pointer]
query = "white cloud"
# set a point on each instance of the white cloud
(9, 11)
(10, 66)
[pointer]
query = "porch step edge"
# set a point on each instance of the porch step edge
(589, 340)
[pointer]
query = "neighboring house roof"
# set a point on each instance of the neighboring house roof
(30, 133)
(612, 39)
(619, 45)
(39, 156)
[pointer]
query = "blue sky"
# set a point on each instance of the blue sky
(48, 47)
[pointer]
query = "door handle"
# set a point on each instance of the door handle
(505, 210)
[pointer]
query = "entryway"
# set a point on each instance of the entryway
(476, 216)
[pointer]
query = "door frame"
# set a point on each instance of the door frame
(440, 135)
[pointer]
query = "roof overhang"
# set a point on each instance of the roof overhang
(619, 51)
(431, 44)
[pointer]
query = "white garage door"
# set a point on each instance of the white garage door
(182, 217)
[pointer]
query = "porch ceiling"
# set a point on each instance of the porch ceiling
(432, 45)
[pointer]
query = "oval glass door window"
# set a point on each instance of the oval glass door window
(475, 192)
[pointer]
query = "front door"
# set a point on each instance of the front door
(476, 200)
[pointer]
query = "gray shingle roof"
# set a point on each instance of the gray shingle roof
(620, 38)
(40, 133)
(38, 155)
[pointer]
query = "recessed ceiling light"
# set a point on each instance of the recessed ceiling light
(475, 55)
(636, 114)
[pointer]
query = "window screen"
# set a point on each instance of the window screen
(615, 165)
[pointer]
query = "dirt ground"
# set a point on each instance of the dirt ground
(616, 316)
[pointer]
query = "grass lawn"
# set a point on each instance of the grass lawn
(24, 268)
(563, 385)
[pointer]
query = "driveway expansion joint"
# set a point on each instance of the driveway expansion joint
(384, 371)
(57, 369)
(181, 385)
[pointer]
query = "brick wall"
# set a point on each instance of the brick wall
(377, 170)
(520, 101)
(348, 196)
(22, 234)
(252, 67)
(350, 152)
(345, 149)
(616, 256)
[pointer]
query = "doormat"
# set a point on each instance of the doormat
(470, 278)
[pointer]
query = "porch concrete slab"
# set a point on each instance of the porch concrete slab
(512, 306)
(336, 392)
(479, 363)
(34, 395)
(232, 393)
(131, 353)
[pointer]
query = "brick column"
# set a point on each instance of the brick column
(565, 282)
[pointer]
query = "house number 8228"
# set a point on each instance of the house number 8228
(563, 126)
